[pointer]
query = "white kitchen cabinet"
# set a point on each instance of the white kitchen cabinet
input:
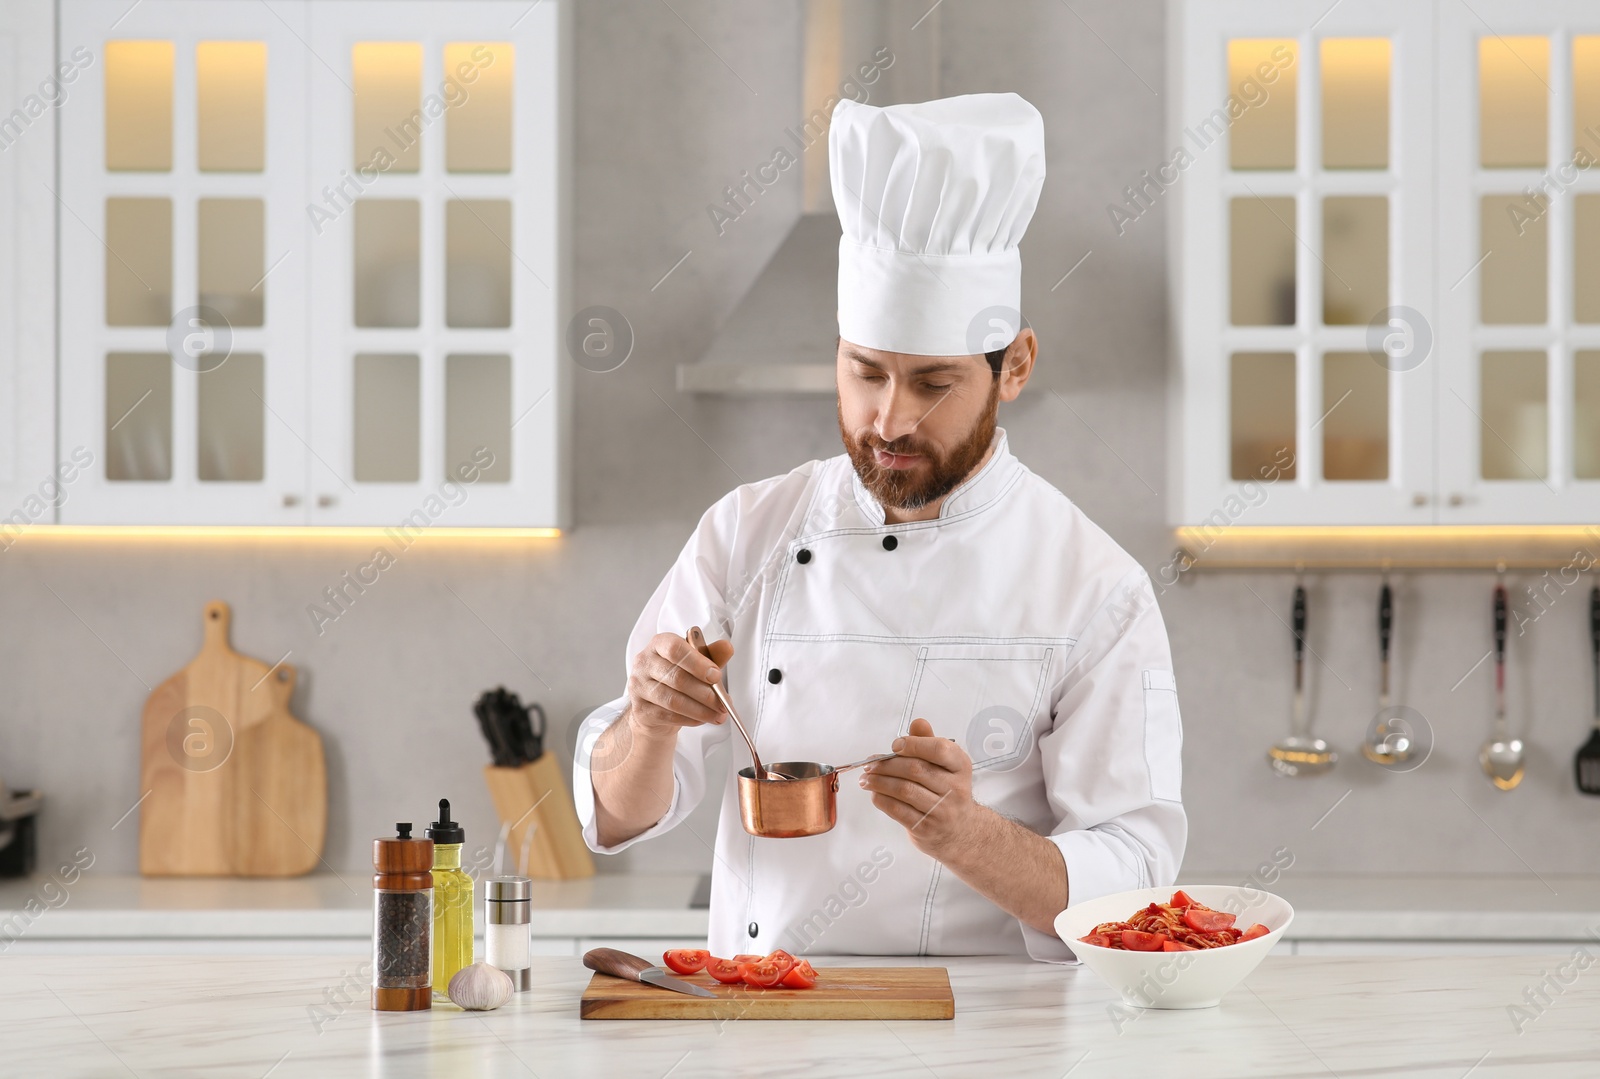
(1519, 378)
(1342, 359)
(366, 199)
(31, 488)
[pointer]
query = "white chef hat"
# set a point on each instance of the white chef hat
(934, 198)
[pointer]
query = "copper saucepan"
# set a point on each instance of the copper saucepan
(794, 798)
(805, 802)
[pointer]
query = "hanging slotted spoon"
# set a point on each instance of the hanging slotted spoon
(1587, 763)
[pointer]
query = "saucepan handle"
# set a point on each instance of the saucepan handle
(874, 759)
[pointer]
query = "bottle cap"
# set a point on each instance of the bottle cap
(445, 830)
(507, 889)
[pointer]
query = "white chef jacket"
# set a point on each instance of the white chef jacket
(1011, 622)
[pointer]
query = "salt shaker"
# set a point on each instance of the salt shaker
(507, 909)
(402, 922)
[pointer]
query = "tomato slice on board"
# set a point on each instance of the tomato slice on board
(763, 975)
(725, 971)
(686, 960)
(1136, 941)
(1207, 921)
(1177, 946)
(1180, 898)
(748, 958)
(1257, 930)
(800, 976)
(781, 959)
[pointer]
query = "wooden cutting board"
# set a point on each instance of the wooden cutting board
(215, 787)
(283, 816)
(840, 993)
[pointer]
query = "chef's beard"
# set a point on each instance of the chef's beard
(935, 476)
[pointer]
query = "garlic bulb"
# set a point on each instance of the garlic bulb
(480, 987)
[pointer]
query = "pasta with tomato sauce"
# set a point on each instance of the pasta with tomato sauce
(1183, 925)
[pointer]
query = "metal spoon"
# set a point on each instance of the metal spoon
(697, 641)
(1300, 754)
(1501, 755)
(1395, 747)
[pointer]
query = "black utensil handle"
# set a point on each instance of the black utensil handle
(617, 963)
(1500, 623)
(1385, 620)
(1299, 622)
(1594, 619)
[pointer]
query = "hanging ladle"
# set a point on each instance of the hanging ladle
(1502, 755)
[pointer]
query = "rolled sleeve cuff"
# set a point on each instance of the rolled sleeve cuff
(583, 801)
(1093, 870)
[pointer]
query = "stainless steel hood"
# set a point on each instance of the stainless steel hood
(780, 337)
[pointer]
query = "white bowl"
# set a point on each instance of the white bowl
(1197, 979)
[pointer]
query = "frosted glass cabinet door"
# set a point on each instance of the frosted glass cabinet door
(1305, 263)
(184, 246)
(1517, 399)
(314, 253)
(436, 397)
(29, 485)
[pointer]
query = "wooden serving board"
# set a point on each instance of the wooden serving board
(840, 993)
(231, 783)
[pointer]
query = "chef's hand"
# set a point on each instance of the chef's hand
(669, 686)
(928, 788)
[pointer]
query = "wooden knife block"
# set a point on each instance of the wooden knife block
(533, 799)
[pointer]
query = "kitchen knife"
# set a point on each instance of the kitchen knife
(501, 750)
(622, 965)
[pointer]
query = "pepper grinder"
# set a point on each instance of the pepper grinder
(507, 909)
(452, 902)
(402, 922)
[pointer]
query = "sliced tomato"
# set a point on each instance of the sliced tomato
(1136, 941)
(763, 975)
(742, 958)
(781, 959)
(686, 960)
(1180, 898)
(725, 971)
(1207, 921)
(1099, 940)
(1257, 930)
(1177, 946)
(800, 976)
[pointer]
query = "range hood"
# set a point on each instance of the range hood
(780, 337)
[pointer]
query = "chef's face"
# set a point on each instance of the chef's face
(916, 426)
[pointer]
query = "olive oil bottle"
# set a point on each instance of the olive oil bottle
(452, 902)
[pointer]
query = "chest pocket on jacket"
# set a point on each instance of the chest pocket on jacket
(989, 696)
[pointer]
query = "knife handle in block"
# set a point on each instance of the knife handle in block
(618, 963)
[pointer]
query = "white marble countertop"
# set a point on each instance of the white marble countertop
(322, 905)
(1327, 907)
(257, 1015)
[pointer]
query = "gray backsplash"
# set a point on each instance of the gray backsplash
(662, 125)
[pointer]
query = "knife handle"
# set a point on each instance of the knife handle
(617, 963)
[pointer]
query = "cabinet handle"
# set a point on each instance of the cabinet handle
(1456, 498)
(291, 500)
(326, 500)
(1419, 499)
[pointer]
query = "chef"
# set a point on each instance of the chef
(923, 591)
